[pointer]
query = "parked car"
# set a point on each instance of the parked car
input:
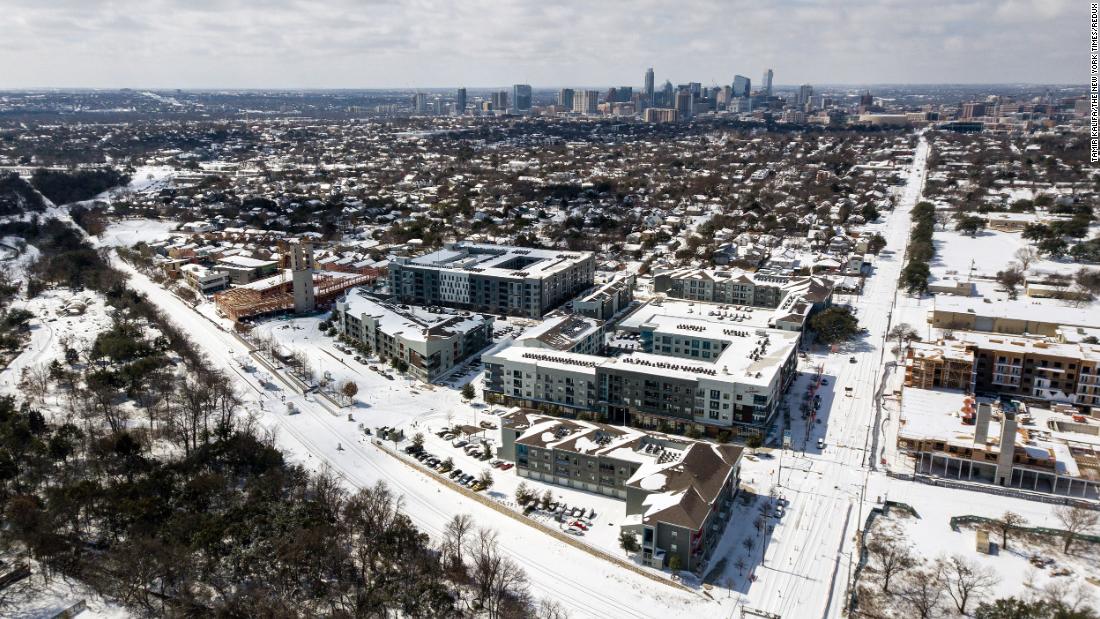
(496, 462)
(460, 442)
(580, 525)
(506, 466)
(821, 443)
(455, 473)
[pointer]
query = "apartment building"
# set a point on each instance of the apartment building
(565, 333)
(244, 270)
(1036, 368)
(1015, 317)
(678, 492)
(794, 299)
(497, 279)
(204, 280)
(607, 299)
(692, 375)
(431, 342)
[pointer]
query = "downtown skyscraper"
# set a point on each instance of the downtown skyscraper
(460, 101)
(521, 97)
(649, 85)
(766, 83)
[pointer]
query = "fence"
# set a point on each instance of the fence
(1053, 499)
(853, 599)
(979, 520)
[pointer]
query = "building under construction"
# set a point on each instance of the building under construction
(949, 365)
(300, 289)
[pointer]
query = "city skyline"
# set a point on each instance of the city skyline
(387, 45)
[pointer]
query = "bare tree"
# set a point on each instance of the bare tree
(36, 381)
(891, 554)
(454, 538)
(1026, 256)
(1075, 521)
(1010, 279)
(551, 609)
(1005, 524)
(965, 580)
(922, 592)
(1066, 597)
(903, 333)
(497, 579)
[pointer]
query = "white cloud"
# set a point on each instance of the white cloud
(379, 43)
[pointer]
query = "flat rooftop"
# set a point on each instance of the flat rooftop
(499, 260)
(1018, 344)
(937, 414)
(560, 332)
(1020, 309)
(409, 321)
(736, 316)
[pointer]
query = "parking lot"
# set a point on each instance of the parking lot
(592, 518)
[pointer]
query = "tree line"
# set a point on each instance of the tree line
(130, 465)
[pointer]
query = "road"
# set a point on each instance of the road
(585, 585)
(807, 559)
(807, 563)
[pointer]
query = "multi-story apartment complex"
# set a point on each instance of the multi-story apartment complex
(607, 299)
(204, 280)
(740, 287)
(1036, 368)
(498, 279)
(1017, 317)
(1029, 368)
(678, 493)
(566, 333)
(431, 343)
(245, 270)
(692, 375)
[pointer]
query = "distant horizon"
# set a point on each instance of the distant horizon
(534, 87)
(339, 44)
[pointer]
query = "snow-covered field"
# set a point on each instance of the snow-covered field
(932, 536)
(990, 251)
(127, 232)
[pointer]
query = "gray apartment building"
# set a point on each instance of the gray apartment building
(607, 299)
(739, 287)
(678, 492)
(432, 343)
(497, 279)
(567, 333)
(692, 375)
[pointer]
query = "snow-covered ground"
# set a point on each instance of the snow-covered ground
(37, 598)
(990, 251)
(588, 586)
(17, 256)
(53, 327)
(800, 568)
(127, 232)
(933, 537)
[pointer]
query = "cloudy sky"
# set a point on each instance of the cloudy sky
(548, 43)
